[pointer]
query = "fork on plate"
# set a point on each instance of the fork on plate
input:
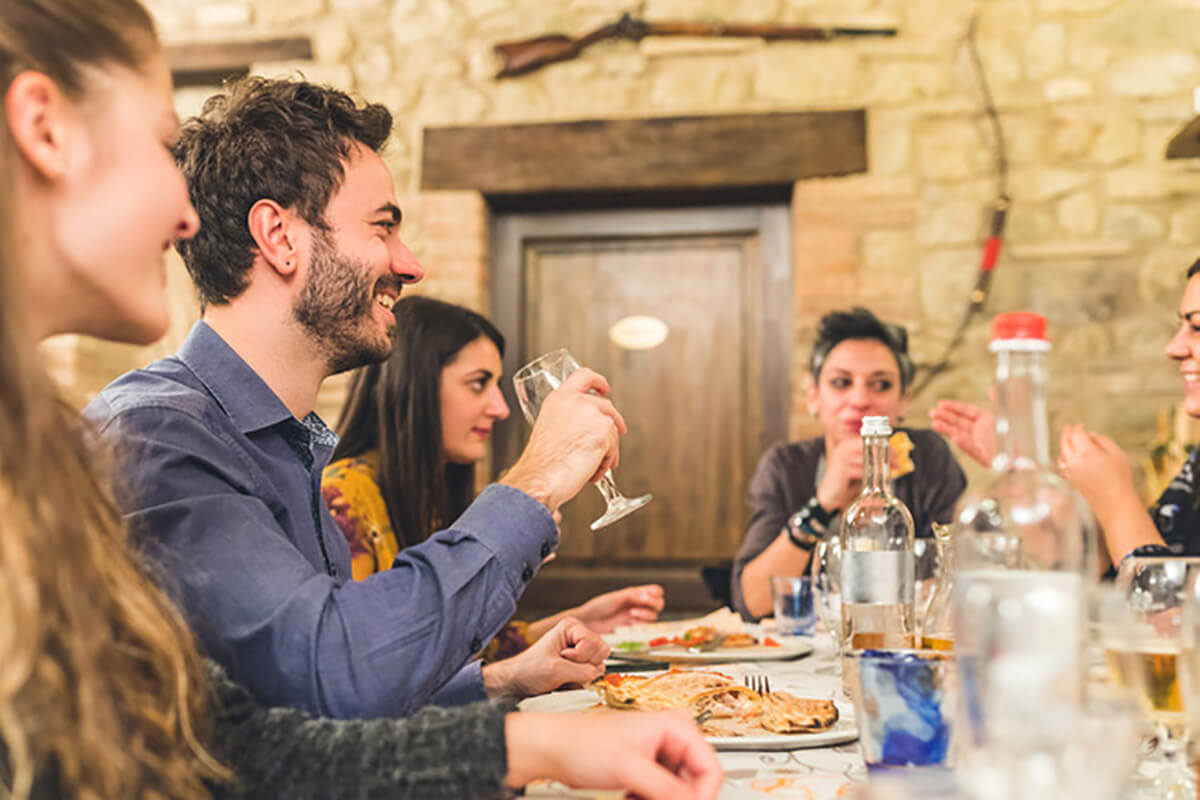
(758, 682)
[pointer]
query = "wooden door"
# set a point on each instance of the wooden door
(702, 405)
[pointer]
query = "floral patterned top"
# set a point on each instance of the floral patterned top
(351, 490)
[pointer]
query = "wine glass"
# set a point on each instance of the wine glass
(534, 382)
(1144, 643)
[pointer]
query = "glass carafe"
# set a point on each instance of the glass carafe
(1023, 558)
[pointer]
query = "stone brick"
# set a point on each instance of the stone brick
(951, 151)
(888, 252)
(453, 102)
(950, 223)
(1064, 90)
(1074, 6)
(1118, 141)
(1045, 49)
(702, 84)
(332, 41)
(1132, 222)
(1154, 75)
(1030, 224)
(900, 83)
(1046, 183)
(290, 12)
(1079, 214)
(889, 142)
(801, 74)
(1161, 275)
(1071, 137)
(372, 66)
(222, 16)
(828, 250)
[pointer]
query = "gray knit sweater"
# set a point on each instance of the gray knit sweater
(286, 753)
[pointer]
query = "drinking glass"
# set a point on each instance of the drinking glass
(793, 601)
(534, 382)
(1143, 642)
(826, 568)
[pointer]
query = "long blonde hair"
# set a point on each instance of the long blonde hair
(101, 687)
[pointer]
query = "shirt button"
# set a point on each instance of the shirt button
(476, 645)
(527, 573)
(546, 549)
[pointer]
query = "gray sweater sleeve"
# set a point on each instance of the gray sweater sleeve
(287, 753)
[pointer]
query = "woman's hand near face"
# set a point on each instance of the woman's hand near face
(1096, 467)
(968, 426)
(1099, 470)
(628, 606)
(656, 756)
(842, 481)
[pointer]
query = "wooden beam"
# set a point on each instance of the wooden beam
(657, 153)
(207, 63)
(1186, 143)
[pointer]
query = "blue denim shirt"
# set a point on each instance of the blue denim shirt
(221, 485)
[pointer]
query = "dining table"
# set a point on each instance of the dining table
(832, 772)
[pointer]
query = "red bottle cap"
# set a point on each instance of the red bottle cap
(1019, 325)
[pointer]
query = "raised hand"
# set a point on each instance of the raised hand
(654, 756)
(1096, 467)
(842, 481)
(628, 606)
(574, 441)
(970, 427)
(570, 653)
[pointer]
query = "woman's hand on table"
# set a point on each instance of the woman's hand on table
(629, 606)
(655, 756)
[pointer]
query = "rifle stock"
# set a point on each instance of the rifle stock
(527, 55)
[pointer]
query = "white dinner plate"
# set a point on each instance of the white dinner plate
(789, 648)
(846, 730)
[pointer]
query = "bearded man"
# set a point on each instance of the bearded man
(297, 265)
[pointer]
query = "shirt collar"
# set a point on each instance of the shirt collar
(243, 395)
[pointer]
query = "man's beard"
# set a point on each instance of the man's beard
(334, 308)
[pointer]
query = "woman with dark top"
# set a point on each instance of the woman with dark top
(411, 432)
(1100, 470)
(102, 692)
(859, 367)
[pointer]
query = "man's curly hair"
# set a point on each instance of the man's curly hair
(258, 138)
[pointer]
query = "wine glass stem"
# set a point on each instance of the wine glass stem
(608, 488)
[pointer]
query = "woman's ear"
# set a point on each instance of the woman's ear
(274, 232)
(41, 120)
(810, 393)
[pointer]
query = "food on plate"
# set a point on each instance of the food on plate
(701, 635)
(630, 647)
(785, 713)
(721, 705)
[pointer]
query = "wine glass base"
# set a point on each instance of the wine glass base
(619, 509)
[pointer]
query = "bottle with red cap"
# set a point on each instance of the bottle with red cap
(1023, 561)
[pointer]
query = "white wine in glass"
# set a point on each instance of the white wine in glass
(534, 382)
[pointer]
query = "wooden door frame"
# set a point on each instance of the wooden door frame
(772, 225)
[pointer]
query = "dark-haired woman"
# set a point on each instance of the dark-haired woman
(859, 367)
(412, 431)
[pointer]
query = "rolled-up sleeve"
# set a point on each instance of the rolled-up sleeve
(290, 632)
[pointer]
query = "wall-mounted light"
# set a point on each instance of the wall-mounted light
(638, 332)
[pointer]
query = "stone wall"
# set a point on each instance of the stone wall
(1089, 92)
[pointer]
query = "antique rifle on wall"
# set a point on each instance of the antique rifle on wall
(518, 58)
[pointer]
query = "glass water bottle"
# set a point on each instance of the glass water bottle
(1023, 559)
(878, 569)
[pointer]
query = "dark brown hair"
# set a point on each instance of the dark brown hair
(259, 138)
(860, 323)
(100, 683)
(396, 408)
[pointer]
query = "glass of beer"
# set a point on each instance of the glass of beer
(1142, 630)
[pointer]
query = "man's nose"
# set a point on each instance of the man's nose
(405, 264)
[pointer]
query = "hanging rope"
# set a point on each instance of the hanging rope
(999, 216)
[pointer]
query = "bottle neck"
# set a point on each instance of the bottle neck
(877, 465)
(1022, 436)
